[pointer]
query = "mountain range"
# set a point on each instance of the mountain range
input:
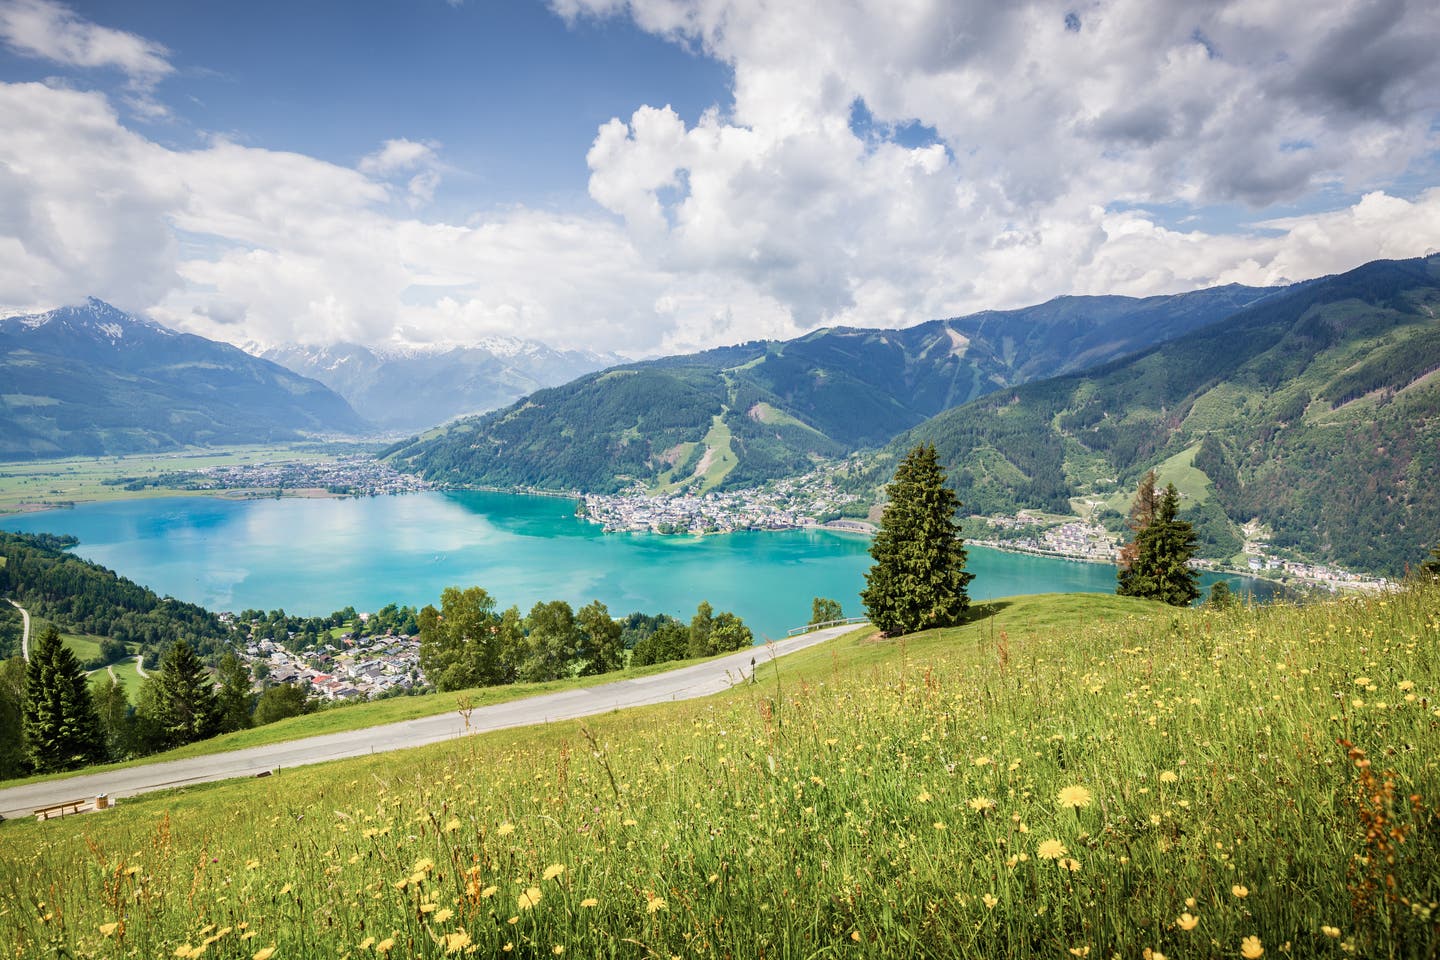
(738, 416)
(92, 380)
(405, 389)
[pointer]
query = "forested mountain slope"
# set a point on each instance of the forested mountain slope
(1315, 411)
(94, 380)
(741, 415)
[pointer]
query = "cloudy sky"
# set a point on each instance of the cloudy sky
(655, 176)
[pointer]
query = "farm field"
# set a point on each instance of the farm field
(1063, 776)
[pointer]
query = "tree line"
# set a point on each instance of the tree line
(469, 642)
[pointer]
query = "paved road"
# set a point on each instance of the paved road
(24, 630)
(684, 683)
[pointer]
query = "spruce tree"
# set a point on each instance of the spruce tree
(60, 727)
(236, 702)
(918, 579)
(1163, 549)
(185, 706)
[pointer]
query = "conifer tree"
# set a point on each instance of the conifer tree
(1142, 514)
(918, 579)
(236, 702)
(184, 698)
(61, 729)
(1163, 549)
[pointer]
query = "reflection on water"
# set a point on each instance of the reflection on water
(316, 556)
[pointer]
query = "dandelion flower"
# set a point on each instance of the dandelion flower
(1168, 777)
(982, 804)
(982, 761)
(554, 870)
(589, 902)
(1080, 951)
(106, 929)
(423, 865)
(264, 953)
(489, 892)
(452, 826)
(923, 796)
(939, 824)
(1075, 796)
(457, 941)
(367, 943)
(505, 829)
(1187, 921)
(557, 949)
(1051, 850)
(655, 905)
(990, 901)
(1330, 931)
(386, 945)
(443, 914)
(529, 899)
(1240, 891)
(1250, 948)
(252, 864)
(1071, 864)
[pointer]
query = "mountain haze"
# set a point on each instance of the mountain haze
(412, 389)
(93, 380)
(745, 414)
(1315, 411)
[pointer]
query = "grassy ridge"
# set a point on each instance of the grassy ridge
(1064, 776)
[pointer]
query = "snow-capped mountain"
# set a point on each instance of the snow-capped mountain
(91, 379)
(405, 387)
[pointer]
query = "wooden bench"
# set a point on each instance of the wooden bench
(60, 809)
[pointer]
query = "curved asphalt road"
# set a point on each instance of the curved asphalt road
(25, 631)
(698, 680)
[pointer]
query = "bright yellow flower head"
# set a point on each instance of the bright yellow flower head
(982, 804)
(505, 829)
(1187, 921)
(554, 870)
(655, 905)
(1168, 777)
(386, 945)
(589, 902)
(1051, 850)
(1075, 796)
(529, 899)
(1330, 931)
(1250, 948)
(455, 942)
(264, 953)
(106, 929)
(1240, 890)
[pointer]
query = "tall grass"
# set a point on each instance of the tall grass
(1182, 784)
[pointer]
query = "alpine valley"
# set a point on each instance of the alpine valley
(1309, 411)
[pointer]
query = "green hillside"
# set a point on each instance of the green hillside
(1062, 776)
(783, 404)
(1316, 411)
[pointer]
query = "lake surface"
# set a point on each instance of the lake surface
(312, 557)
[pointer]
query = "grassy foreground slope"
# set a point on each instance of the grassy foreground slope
(869, 799)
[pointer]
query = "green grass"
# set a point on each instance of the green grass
(876, 798)
(76, 479)
(1180, 470)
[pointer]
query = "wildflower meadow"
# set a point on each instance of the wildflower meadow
(1062, 776)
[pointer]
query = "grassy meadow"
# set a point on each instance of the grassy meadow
(1064, 776)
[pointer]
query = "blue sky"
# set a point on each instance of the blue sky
(661, 175)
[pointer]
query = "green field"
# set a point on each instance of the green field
(1064, 776)
(75, 479)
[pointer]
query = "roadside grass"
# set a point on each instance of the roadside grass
(75, 479)
(1185, 783)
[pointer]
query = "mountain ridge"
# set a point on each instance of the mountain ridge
(91, 379)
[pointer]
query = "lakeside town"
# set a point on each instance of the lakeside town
(358, 668)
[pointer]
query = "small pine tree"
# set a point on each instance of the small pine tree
(1163, 549)
(1142, 514)
(60, 727)
(918, 579)
(184, 698)
(236, 702)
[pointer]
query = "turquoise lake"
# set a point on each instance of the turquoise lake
(315, 556)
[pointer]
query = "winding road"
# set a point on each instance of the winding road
(684, 683)
(24, 630)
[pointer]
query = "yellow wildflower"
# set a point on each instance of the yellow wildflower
(655, 905)
(423, 865)
(589, 902)
(106, 929)
(452, 826)
(1075, 796)
(1071, 864)
(285, 889)
(981, 804)
(457, 941)
(505, 829)
(443, 914)
(386, 945)
(923, 796)
(1240, 891)
(1051, 850)
(1330, 931)
(1187, 921)
(530, 898)
(1250, 948)
(990, 901)
(554, 870)
(264, 953)
(1168, 776)
(557, 949)
(367, 943)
